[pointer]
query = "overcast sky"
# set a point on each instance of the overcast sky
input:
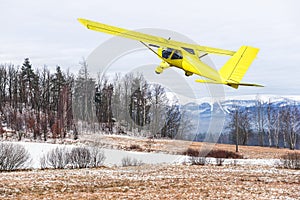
(48, 32)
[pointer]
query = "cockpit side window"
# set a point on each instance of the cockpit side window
(166, 53)
(191, 51)
(176, 55)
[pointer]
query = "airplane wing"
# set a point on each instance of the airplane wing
(150, 39)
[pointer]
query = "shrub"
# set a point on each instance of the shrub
(43, 162)
(97, 157)
(13, 157)
(291, 161)
(77, 157)
(219, 161)
(191, 152)
(57, 158)
(127, 161)
(223, 154)
(198, 160)
(135, 147)
(218, 153)
(234, 163)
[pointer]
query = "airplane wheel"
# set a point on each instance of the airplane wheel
(158, 70)
(188, 73)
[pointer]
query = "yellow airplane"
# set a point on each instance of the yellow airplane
(188, 56)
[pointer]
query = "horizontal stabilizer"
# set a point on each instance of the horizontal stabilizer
(208, 81)
(236, 85)
(231, 84)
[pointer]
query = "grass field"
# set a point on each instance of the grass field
(179, 146)
(163, 181)
(153, 182)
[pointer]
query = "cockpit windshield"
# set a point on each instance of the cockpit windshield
(166, 53)
(176, 54)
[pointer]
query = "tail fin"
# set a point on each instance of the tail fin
(236, 67)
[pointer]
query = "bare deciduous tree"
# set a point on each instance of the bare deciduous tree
(275, 127)
(240, 124)
(260, 120)
(294, 126)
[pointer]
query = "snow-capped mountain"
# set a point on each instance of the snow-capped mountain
(201, 112)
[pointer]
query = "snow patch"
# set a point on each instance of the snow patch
(113, 156)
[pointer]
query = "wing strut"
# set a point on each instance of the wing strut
(152, 50)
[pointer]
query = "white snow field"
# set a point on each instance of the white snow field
(113, 157)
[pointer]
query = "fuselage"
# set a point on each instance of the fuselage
(177, 58)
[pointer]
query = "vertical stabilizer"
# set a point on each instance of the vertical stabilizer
(236, 67)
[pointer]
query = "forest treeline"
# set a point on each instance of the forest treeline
(35, 103)
(265, 124)
(39, 104)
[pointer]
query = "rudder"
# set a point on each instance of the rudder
(236, 67)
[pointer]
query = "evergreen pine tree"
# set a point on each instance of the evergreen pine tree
(27, 77)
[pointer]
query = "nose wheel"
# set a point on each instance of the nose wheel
(158, 70)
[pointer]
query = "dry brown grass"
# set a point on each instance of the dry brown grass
(179, 146)
(153, 182)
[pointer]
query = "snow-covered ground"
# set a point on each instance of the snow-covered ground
(242, 162)
(114, 157)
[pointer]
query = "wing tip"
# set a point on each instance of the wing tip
(83, 21)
